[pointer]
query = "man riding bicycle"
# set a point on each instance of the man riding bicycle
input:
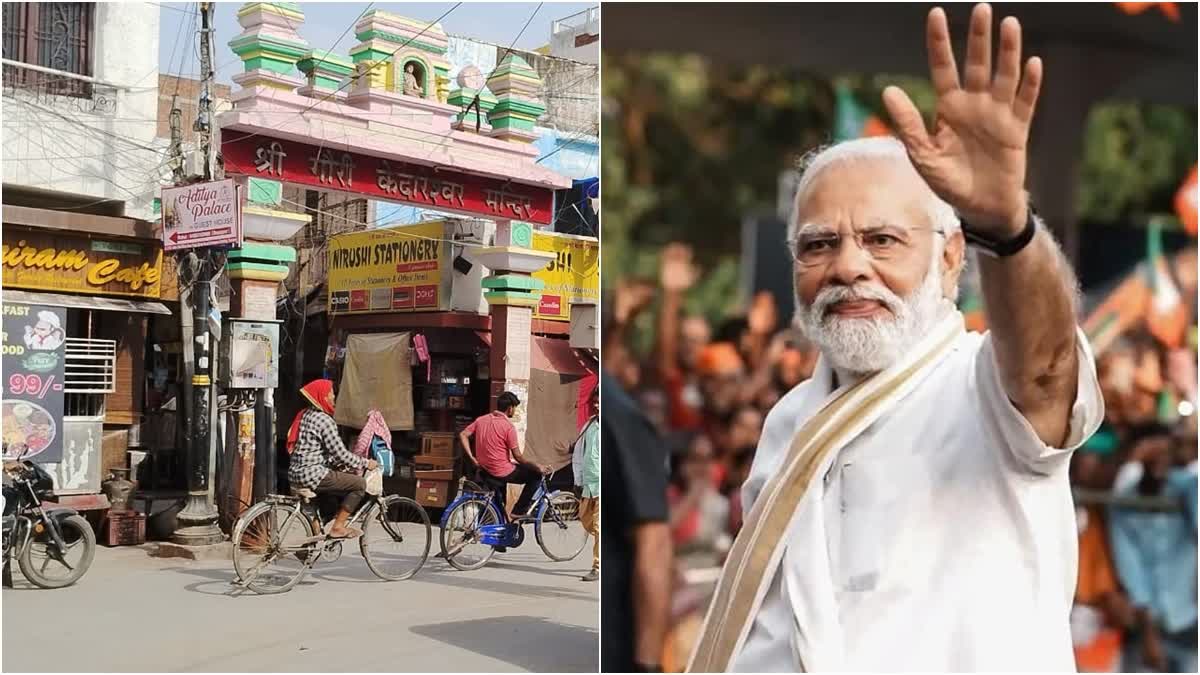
(498, 454)
(320, 461)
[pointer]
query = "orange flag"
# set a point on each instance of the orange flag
(1185, 203)
(1169, 9)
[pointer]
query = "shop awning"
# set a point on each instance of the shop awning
(560, 381)
(556, 356)
(85, 302)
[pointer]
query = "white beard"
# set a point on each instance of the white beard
(859, 346)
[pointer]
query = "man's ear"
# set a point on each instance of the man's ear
(954, 257)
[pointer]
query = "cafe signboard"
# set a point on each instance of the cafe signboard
(48, 261)
(398, 269)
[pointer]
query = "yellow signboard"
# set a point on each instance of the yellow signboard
(573, 276)
(398, 269)
(49, 261)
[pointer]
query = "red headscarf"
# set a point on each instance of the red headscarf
(320, 395)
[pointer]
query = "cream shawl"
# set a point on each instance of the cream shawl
(753, 561)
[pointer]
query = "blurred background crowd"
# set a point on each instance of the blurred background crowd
(700, 148)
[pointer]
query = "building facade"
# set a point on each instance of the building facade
(83, 275)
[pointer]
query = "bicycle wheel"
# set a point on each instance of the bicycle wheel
(558, 528)
(396, 538)
(460, 535)
(273, 547)
(46, 567)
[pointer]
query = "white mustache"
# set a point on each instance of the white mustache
(831, 295)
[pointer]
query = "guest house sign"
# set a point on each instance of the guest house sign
(203, 214)
(45, 261)
(335, 169)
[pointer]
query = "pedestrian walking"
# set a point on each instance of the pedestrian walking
(585, 464)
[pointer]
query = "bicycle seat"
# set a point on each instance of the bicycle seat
(304, 493)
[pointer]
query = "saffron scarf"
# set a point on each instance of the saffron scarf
(320, 396)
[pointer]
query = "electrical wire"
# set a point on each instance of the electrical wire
(178, 38)
(184, 54)
(424, 138)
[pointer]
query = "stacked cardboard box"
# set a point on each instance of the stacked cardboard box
(435, 461)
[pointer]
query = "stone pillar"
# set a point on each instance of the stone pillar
(269, 45)
(468, 116)
(517, 87)
(324, 72)
(512, 294)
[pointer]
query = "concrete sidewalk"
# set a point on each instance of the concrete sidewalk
(135, 613)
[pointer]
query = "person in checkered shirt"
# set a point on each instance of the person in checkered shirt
(320, 461)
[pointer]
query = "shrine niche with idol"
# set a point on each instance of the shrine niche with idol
(384, 122)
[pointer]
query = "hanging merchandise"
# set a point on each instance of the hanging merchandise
(421, 354)
(377, 376)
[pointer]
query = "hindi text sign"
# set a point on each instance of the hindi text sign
(433, 187)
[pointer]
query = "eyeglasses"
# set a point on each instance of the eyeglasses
(816, 248)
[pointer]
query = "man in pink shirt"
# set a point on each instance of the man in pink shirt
(498, 454)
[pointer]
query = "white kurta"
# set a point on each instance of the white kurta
(950, 532)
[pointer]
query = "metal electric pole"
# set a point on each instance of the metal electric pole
(198, 519)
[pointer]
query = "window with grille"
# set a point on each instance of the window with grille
(90, 368)
(54, 35)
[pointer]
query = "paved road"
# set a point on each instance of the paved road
(135, 613)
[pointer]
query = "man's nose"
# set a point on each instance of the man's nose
(851, 263)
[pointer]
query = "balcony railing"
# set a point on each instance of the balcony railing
(59, 88)
(576, 21)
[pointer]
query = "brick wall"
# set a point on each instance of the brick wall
(189, 103)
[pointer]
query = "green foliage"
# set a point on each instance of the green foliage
(690, 147)
(1134, 158)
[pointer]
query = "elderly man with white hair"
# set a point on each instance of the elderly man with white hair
(909, 506)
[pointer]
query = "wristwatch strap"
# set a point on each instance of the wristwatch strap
(1002, 249)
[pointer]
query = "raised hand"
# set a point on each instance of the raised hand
(975, 158)
(762, 317)
(676, 271)
(631, 298)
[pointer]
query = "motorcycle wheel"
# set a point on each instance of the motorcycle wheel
(76, 532)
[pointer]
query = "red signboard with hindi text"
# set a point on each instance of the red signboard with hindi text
(335, 169)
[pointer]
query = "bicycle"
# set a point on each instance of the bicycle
(473, 518)
(279, 539)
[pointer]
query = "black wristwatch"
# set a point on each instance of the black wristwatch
(1002, 249)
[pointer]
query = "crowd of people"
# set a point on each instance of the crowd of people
(707, 388)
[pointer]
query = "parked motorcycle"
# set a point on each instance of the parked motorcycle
(54, 547)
